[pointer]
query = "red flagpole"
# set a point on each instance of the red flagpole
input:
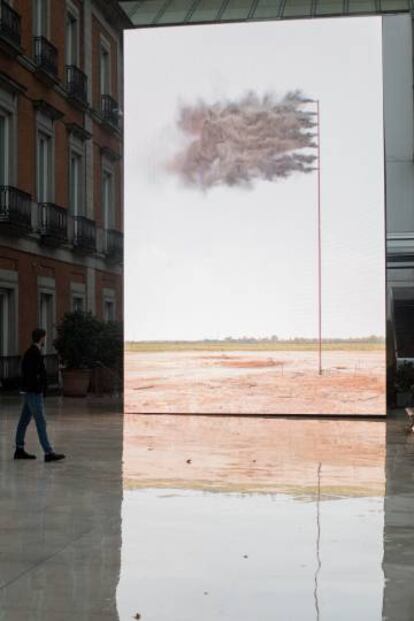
(319, 245)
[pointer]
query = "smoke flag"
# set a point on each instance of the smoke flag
(235, 143)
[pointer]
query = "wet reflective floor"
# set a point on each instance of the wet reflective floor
(206, 518)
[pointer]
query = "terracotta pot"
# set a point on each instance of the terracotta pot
(102, 380)
(75, 382)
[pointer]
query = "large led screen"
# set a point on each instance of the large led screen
(254, 219)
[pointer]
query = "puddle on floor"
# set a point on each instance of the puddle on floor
(252, 520)
(203, 556)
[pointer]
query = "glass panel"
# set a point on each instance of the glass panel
(237, 9)
(176, 12)
(44, 168)
(109, 310)
(71, 40)
(77, 303)
(40, 18)
(105, 90)
(395, 5)
(267, 8)
(3, 150)
(330, 7)
(206, 11)
(46, 318)
(297, 8)
(144, 13)
(3, 322)
(107, 192)
(362, 6)
(74, 184)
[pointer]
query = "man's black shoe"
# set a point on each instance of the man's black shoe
(54, 457)
(20, 453)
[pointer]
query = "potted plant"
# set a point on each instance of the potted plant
(404, 384)
(107, 372)
(77, 344)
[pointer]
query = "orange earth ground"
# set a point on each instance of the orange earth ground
(255, 382)
(254, 455)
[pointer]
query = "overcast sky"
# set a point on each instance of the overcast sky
(231, 261)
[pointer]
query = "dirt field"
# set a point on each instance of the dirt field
(276, 455)
(255, 382)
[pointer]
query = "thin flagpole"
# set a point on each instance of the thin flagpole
(319, 245)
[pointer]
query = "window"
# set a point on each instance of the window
(109, 310)
(46, 318)
(78, 303)
(44, 168)
(72, 38)
(8, 312)
(5, 319)
(108, 199)
(4, 148)
(76, 179)
(105, 71)
(40, 18)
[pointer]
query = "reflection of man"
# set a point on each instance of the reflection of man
(34, 384)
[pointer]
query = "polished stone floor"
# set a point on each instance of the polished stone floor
(207, 519)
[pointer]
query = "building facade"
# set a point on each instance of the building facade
(61, 166)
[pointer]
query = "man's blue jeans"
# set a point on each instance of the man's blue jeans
(33, 407)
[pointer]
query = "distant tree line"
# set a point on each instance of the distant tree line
(373, 338)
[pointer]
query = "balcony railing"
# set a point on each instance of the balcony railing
(10, 371)
(114, 245)
(110, 110)
(45, 55)
(84, 234)
(76, 84)
(10, 24)
(15, 208)
(53, 223)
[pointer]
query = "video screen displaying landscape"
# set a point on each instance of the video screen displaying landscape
(254, 219)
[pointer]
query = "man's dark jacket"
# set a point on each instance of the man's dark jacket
(34, 377)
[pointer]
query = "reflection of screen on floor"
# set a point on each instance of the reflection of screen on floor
(254, 218)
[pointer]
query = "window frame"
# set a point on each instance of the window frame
(72, 43)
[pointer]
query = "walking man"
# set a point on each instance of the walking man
(34, 384)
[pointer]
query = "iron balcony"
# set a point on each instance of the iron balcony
(53, 223)
(84, 234)
(15, 210)
(10, 24)
(10, 371)
(110, 110)
(45, 55)
(76, 84)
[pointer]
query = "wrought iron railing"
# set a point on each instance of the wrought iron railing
(15, 207)
(110, 110)
(10, 371)
(114, 244)
(84, 234)
(10, 23)
(76, 83)
(45, 55)
(53, 221)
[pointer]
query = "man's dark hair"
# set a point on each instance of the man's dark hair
(37, 334)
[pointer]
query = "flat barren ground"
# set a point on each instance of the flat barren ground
(255, 382)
